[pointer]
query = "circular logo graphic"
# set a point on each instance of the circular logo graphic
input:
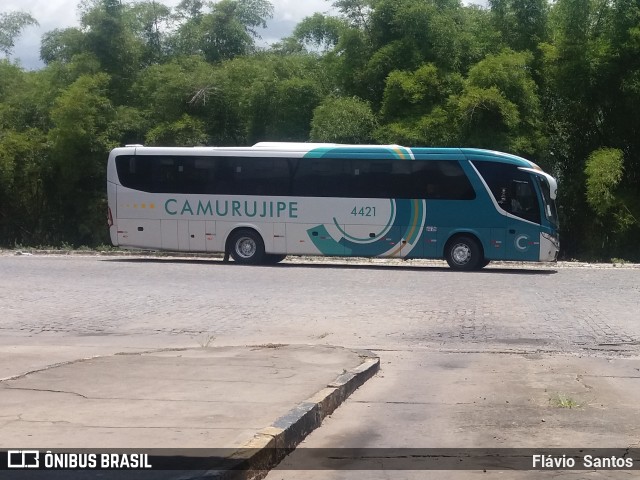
(522, 243)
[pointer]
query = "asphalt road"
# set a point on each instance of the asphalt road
(120, 301)
(523, 356)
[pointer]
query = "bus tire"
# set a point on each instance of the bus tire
(246, 247)
(464, 253)
(272, 258)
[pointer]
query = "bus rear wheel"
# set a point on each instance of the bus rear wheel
(246, 247)
(464, 253)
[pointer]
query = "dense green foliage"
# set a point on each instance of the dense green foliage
(556, 82)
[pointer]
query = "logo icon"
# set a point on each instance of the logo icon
(522, 243)
(23, 459)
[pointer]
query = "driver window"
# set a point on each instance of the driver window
(512, 189)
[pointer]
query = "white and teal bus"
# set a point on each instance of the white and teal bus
(261, 203)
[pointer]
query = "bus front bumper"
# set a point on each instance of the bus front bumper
(549, 247)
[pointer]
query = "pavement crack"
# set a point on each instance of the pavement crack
(149, 352)
(131, 399)
(48, 390)
(580, 380)
(128, 427)
(48, 367)
(391, 402)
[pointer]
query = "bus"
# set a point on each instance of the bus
(259, 204)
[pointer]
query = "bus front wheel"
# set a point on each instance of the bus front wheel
(464, 253)
(246, 247)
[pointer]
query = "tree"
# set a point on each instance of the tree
(605, 195)
(590, 103)
(496, 107)
(404, 34)
(149, 22)
(164, 93)
(319, 31)
(604, 171)
(227, 31)
(230, 29)
(357, 12)
(24, 172)
(290, 107)
(62, 45)
(522, 23)
(477, 36)
(189, 9)
(408, 95)
(187, 38)
(416, 109)
(80, 143)
(111, 42)
(486, 118)
(343, 120)
(500, 107)
(185, 132)
(11, 25)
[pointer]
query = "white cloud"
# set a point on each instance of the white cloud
(296, 10)
(50, 15)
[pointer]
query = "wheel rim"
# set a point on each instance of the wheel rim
(461, 254)
(246, 247)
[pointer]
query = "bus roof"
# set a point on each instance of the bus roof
(263, 149)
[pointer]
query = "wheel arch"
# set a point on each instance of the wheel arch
(243, 226)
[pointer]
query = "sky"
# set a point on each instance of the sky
(52, 14)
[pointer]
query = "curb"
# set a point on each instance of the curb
(273, 443)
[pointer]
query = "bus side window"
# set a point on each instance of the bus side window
(424, 180)
(135, 172)
(164, 174)
(322, 177)
(261, 176)
(224, 177)
(379, 179)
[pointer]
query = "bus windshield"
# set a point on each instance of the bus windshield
(550, 210)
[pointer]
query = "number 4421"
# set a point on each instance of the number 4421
(364, 212)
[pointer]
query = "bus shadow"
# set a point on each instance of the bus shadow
(416, 268)
(498, 270)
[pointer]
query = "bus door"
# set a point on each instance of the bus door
(496, 244)
(522, 241)
(210, 235)
(279, 238)
(197, 238)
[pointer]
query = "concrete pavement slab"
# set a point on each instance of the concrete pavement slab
(179, 398)
(465, 400)
(16, 360)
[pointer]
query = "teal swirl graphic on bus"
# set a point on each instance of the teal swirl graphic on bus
(398, 237)
(369, 239)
